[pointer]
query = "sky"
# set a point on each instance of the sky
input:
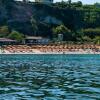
(83, 1)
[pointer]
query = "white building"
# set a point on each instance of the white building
(40, 1)
(60, 37)
(25, 0)
(44, 1)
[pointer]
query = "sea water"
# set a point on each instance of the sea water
(49, 77)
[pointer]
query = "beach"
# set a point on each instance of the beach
(50, 49)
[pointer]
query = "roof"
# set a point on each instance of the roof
(6, 40)
(34, 37)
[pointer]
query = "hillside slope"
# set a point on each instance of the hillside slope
(19, 15)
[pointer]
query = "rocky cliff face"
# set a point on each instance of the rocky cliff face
(3, 13)
(19, 14)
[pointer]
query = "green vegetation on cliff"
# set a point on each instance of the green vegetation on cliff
(77, 22)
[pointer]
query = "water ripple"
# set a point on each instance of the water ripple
(50, 77)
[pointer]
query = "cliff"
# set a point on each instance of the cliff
(18, 15)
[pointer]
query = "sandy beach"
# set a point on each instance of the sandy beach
(50, 49)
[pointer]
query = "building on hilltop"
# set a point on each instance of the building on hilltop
(25, 0)
(39, 1)
(44, 1)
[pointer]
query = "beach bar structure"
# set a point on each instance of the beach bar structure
(36, 40)
(6, 41)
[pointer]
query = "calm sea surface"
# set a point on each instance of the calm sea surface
(49, 77)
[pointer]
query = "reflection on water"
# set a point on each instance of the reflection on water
(50, 77)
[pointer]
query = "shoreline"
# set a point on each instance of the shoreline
(48, 53)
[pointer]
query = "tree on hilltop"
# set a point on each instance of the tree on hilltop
(64, 31)
(16, 36)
